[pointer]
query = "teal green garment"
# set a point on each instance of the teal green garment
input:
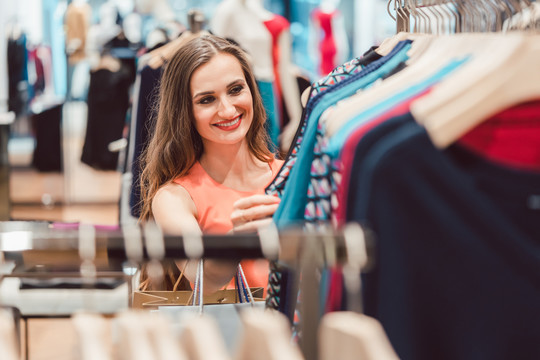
(267, 91)
(291, 209)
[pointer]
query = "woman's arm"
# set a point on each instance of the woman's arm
(175, 212)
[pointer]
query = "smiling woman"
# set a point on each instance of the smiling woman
(224, 104)
(208, 162)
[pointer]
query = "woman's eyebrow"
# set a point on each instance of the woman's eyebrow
(202, 93)
(232, 83)
(236, 82)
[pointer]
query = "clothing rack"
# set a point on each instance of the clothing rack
(20, 237)
(107, 251)
(414, 13)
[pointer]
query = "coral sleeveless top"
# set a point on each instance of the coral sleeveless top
(214, 203)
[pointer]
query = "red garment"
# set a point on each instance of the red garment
(276, 26)
(347, 153)
(334, 298)
(510, 138)
(327, 46)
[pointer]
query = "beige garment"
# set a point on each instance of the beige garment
(77, 22)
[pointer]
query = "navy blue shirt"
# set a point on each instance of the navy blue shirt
(146, 113)
(457, 266)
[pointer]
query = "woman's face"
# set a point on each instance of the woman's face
(222, 101)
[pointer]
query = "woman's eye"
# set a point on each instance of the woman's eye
(236, 89)
(206, 100)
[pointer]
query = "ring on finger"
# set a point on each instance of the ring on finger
(243, 216)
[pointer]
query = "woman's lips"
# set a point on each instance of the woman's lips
(229, 124)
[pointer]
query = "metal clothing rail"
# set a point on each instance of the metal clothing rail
(456, 16)
(43, 243)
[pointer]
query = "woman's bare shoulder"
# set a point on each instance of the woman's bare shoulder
(173, 197)
(174, 210)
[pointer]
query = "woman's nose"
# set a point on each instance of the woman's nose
(226, 108)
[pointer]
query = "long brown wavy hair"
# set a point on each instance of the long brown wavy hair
(175, 144)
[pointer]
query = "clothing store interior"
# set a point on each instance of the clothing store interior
(253, 221)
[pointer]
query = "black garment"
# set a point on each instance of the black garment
(124, 50)
(303, 83)
(148, 93)
(108, 102)
(47, 130)
(17, 84)
(457, 273)
(370, 56)
(370, 51)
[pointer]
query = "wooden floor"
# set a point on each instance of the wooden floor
(79, 194)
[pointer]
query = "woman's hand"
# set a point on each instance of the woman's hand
(253, 212)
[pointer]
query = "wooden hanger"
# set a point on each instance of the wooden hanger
(501, 78)
(94, 335)
(9, 349)
(421, 63)
(266, 335)
(202, 340)
(164, 343)
(428, 55)
(347, 335)
(389, 43)
(108, 62)
(340, 114)
(134, 340)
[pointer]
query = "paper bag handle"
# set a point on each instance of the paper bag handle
(242, 287)
(198, 286)
(244, 292)
(175, 287)
(143, 286)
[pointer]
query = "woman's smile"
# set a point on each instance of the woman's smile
(229, 125)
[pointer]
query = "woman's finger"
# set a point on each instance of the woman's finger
(260, 211)
(250, 201)
(253, 213)
(252, 226)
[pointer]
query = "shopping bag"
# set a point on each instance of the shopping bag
(224, 312)
(152, 299)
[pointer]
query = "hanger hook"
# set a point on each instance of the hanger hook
(193, 245)
(155, 247)
(87, 251)
(388, 9)
(269, 238)
(133, 242)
